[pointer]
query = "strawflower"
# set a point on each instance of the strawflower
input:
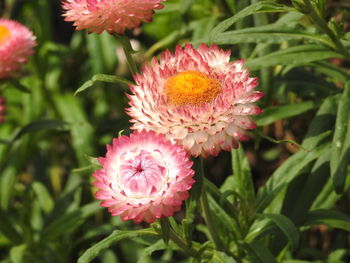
(197, 98)
(144, 177)
(112, 15)
(16, 45)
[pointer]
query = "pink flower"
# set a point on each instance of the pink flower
(144, 177)
(197, 98)
(16, 45)
(110, 15)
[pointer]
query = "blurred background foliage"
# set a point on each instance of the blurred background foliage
(299, 210)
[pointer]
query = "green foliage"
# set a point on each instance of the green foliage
(293, 207)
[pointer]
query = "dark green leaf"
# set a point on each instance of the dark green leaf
(258, 253)
(274, 113)
(40, 125)
(113, 238)
(159, 245)
(288, 171)
(286, 226)
(273, 33)
(293, 56)
(340, 157)
(258, 7)
(69, 221)
(165, 226)
(331, 218)
(7, 228)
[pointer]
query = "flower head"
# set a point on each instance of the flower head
(111, 15)
(16, 45)
(144, 177)
(197, 98)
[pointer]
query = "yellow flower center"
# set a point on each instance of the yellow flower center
(191, 87)
(4, 34)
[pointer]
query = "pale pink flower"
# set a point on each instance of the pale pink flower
(197, 98)
(16, 45)
(112, 15)
(144, 177)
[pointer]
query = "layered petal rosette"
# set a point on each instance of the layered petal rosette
(112, 15)
(197, 98)
(144, 177)
(16, 45)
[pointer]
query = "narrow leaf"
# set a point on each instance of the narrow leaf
(330, 218)
(258, 7)
(258, 253)
(221, 257)
(45, 200)
(286, 226)
(69, 221)
(8, 230)
(340, 157)
(273, 33)
(165, 226)
(274, 113)
(102, 78)
(112, 239)
(40, 125)
(293, 56)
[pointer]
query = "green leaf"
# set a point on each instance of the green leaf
(221, 257)
(292, 56)
(165, 226)
(241, 171)
(40, 125)
(322, 122)
(102, 78)
(330, 218)
(71, 110)
(340, 157)
(225, 224)
(305, 189)
(288, 171)
(274, 113)
(159, 245)
(69, 221)
(16, 84)
(7, 228)
(17, 253)
(185, 6)
(258, 7)
(112, 239)
(258, 253)
(45, 200)
(8, 180)
(286, 226)
(273, 33)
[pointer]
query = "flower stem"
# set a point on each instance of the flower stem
(181, 244)
(207, 215)
(127, 48)
(174, 237)
(322, 24)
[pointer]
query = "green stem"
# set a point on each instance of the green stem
(178, 241)
(322, 24)
(125, 42)
(207, 214)
(181, 244)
